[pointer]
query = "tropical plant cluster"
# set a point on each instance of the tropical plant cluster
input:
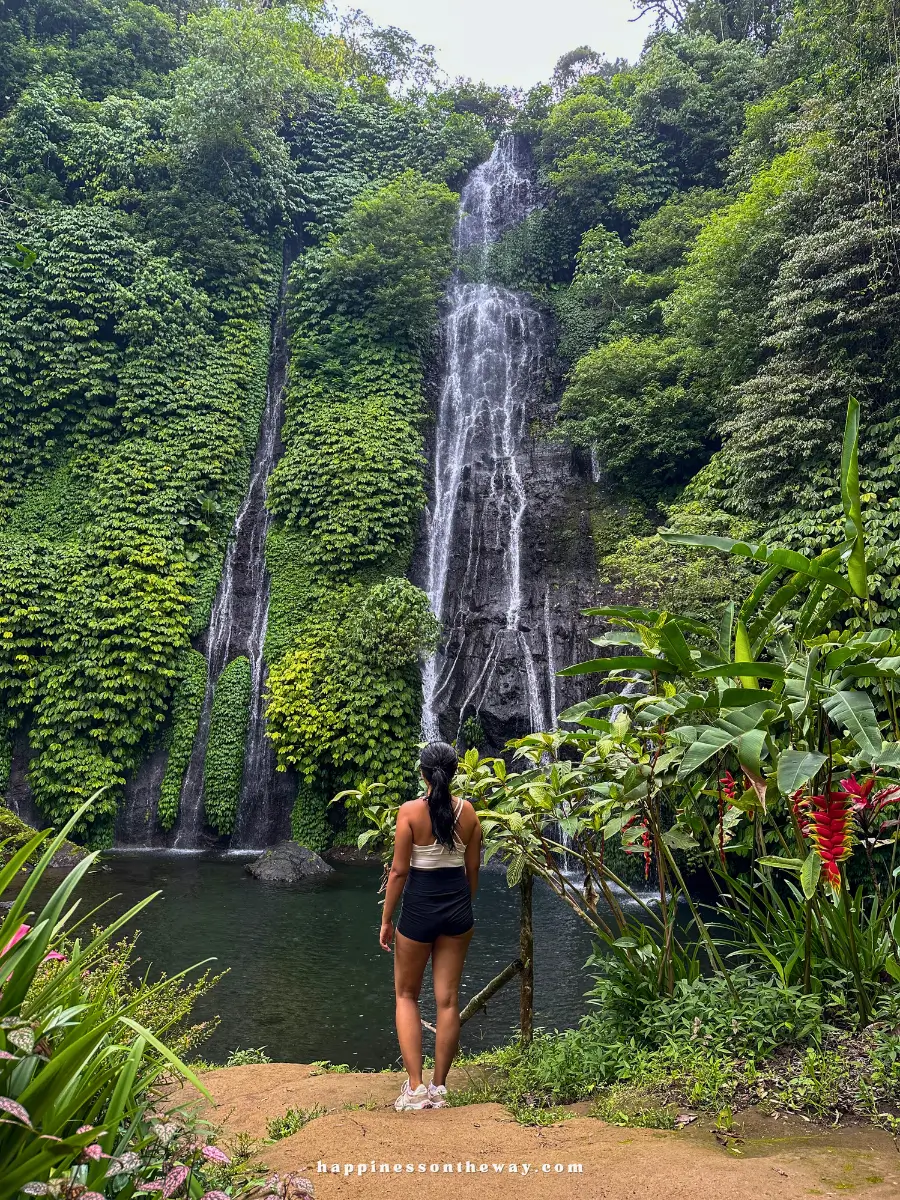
(158, 163)
(87, 1050)
(752, 768)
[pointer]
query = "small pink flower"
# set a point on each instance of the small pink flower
(84, 1129)
(93, 1152)
(215, 1196)
(90, 1196)
(16, 937)
(214, 1154)
(5, 1054)
(55, 956)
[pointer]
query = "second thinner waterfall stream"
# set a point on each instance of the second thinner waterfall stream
(497, 660)
(238, 626)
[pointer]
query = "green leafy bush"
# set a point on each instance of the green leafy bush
(187, 702)
(224, 765)
(77, 1067)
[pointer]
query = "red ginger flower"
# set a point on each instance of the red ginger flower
(858, 792)
(729, 786)
(831, 830)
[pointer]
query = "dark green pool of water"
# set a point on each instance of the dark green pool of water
(306, 977)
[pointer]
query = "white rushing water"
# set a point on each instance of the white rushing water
(493, 339)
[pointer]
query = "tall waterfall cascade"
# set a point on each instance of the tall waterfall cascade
(488, 562)
(237, 627)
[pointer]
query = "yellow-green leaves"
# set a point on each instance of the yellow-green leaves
(743, 651)
(850, 497)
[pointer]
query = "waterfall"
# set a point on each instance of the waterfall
(494, 345)
(551, 660)
(238, 626)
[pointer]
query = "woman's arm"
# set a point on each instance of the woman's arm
(473, 857)
(403, 843)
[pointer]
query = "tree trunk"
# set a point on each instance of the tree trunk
(480, 1000)
(526, 957)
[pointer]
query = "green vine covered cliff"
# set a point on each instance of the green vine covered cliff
(155, 160)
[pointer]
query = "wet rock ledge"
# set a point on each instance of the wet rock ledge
(288, 862)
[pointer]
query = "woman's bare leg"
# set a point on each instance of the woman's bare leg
(447, 961)
(409, 966)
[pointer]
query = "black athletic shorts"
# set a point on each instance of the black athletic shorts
(436, 902)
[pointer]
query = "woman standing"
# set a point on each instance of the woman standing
(437, 853)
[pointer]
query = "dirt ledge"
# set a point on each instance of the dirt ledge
(777, 1160)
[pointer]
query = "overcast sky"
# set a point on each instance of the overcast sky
(514, 42)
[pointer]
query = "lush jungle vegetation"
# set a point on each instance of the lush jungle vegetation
(159, 165)
(718, 248)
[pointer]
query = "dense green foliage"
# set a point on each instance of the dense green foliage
(82, 1044)
(224, 764)
(187, 702)
(345, 629)
(719, 247)
(153, 160)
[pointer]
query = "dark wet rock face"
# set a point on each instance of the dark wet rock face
(507, 558)
(288, 862)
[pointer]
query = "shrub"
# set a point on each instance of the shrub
(77, 1067)
(224, 765)
(187, 703)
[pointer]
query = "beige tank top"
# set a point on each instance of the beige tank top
(434, 855)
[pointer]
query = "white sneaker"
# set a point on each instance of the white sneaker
(437, 1094)
(412, 1101)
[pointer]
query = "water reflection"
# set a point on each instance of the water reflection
(306, 977)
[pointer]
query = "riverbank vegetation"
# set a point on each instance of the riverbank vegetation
(85, 1048)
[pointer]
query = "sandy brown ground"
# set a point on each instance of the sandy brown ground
(784, 1158)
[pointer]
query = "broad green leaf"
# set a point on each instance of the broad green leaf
(622, 662)
(675, 648)
(743, 651)
(679, 839)
(683, 702)
(783, 864)
(724, 733)
(515, 871)
(725, 629)
(791, 560)
(749, 748)
(888, 756)
(753, 601)
(754, 670)
(809, 874)
(856, 713)
(797, 767)
(585, 707)
(741, 697)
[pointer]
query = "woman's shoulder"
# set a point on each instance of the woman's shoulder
(410, 807)
(465, 806)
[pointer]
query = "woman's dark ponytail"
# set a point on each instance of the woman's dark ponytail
(439, 762)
